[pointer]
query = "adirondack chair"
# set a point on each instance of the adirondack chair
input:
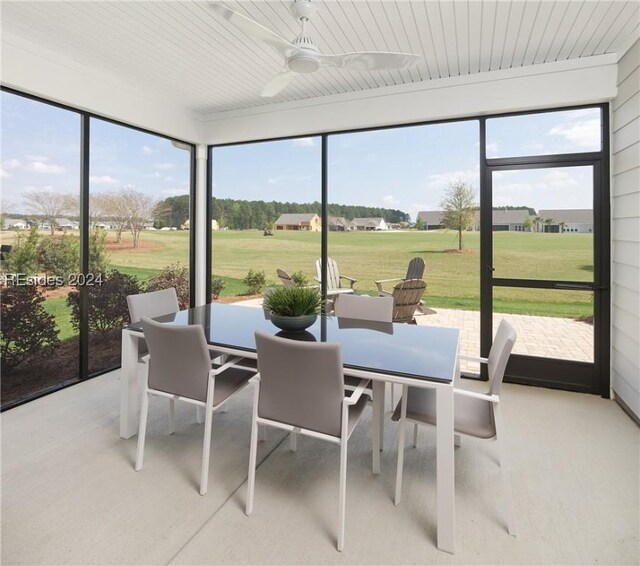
(415, 270)
(285, 278)
(406, 299)
(334, 278)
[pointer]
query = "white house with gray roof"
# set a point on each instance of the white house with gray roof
(369, 224)
(577, 220)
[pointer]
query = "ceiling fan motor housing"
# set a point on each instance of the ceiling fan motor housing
(302, 9)
(305, 59)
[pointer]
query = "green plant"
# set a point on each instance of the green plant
(107, 302)
(59, 256)
(255, 281)
(27, 329)
(217, 285)
(292, 301)
(23, 258)
(174, 275)
(98, 258)
(300, 279)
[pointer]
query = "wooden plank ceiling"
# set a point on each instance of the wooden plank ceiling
(184, 51)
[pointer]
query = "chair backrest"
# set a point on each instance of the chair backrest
(406, 298)
(415, 270)
(333, 273)
(285, 278)
(379, 309)
(179, 360)
(499, 355)
(301, 383)
(153, 304)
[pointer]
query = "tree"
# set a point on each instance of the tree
(529, 223)
(51, 205)
(548, 222)
(562, 225)
(459, 207)
(419, 224)
(537, 220)
(140, 209)
(112, 205)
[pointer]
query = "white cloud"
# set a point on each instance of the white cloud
(11, 164)
(582, 133)
(164, 165)
(288, 179)
(492, 149)
(175, 192)
(303, 142)
(441, 181)
(37, 157)
(146, 150)
(42, 167)
(167, 179)
(3, 173)
(390, 199)
(103, 180)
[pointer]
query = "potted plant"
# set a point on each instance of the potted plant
(292, 308)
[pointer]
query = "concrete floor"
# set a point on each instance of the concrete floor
(70, 495)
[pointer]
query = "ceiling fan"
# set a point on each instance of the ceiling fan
(302, 55)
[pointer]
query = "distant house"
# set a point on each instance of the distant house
(306, 222)
(337, 223)
(509, 220)
(66, 224)
(577, 220)
(187, 223)
(369, 224)
(431, 219)
(15, 224)
(102, 225)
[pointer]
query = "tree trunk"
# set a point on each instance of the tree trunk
(460, 239)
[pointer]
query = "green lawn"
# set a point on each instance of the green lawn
(62, 313)
(452, 277)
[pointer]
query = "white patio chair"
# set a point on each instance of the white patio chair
(300, 388)
(179, 368)
(476, 415)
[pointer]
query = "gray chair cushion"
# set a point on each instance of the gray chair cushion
(472, 416)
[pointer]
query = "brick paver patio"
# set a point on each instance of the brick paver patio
(543, 336)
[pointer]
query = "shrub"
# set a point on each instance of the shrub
(59, 256)
(174, 275)
(292, 301)
(23, 258)
(107, 302)
(217, 285)
(300, 279)
(255, 281)
(27, 329)
(98, 258)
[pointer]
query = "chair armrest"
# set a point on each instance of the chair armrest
(381, 281)
(357, 392)
(473, 359)
(483, 396)
(351, 280)
(230, 363)
(144, 359)
(255, 379)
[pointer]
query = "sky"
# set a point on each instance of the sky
(405, 168)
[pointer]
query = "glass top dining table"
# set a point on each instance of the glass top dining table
(413, 355)
(418, 352)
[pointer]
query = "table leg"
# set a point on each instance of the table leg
(378, 408)
(445, 469)
(128, 385)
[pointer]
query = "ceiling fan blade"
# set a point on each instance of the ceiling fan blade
(278, 83)
(369, 60)
(254, 29)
